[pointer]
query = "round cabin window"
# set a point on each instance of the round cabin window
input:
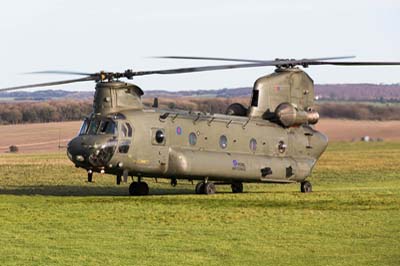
(192, 139)
(282, 146)
(160, 137)
(253, 144)
(223, 142)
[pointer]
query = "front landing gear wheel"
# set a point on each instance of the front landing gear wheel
(200, 188)
(209, 188)
(237, 187)
(305, 187)
(139, 189)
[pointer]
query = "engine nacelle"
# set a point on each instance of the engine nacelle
(289, 115)
(236, 109)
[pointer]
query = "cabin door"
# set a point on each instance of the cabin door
(125, 137)
(159, 148)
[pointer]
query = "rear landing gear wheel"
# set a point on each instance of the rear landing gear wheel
(200, 188)
(174, 182)
(305, 187)
(237, 187)
(209, 188)
(138, 189)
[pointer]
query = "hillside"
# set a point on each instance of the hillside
(346, 92)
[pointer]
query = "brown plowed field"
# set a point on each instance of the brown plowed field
(46, 137)
(347, 130)
(51, 137)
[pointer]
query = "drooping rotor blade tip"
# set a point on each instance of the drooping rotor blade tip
(61, 72)
(48, 84)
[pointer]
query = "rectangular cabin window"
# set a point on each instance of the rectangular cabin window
(254, 99)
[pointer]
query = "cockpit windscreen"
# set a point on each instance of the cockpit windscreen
(98, 127)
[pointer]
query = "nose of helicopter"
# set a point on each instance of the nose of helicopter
(91, 151)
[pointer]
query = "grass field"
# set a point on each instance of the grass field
(49, 215)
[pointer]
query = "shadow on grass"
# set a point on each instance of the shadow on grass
(85, 190)
(81, 191)
(258, 199)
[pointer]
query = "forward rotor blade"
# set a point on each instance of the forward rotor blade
(60, 72)
(202, 68)
(251, 60)
(48, 84)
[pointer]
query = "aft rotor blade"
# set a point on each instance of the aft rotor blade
(60, 72)
(278, 63)
(48, 84)
(252, 60)
(354, 63)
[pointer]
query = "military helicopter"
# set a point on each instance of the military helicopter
(270, 141)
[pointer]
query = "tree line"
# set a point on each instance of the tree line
(40, 112)
(69, 110)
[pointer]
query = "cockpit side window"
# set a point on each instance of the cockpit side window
(107, 127)
(93, 127)
(129, 129)
(84, 127)
(126, 133)
(126, 130)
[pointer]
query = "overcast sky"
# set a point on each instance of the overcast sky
(115, 35)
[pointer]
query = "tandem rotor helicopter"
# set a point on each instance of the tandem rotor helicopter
(270, 141)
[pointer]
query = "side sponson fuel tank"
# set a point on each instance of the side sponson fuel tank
(231, 166)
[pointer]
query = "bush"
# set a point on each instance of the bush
(13, 148)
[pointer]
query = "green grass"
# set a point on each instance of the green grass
(49, 215)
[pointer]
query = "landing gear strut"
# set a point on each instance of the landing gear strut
(305, 187)
(139, 188)
(90, 176)
(205, 188)
(119, 179)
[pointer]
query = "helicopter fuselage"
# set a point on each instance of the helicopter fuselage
(196, 146)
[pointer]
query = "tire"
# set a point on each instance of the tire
(174, 182)
(133, 188)
(209, 188)
(305, 187)
(144, 189)
(237, 187)
(139, 189)
(199, 188)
